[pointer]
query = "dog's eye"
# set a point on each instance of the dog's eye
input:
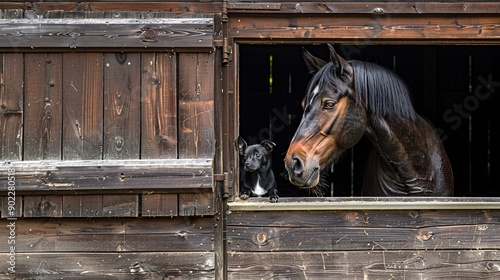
(258, 156)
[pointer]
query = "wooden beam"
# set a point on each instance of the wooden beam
(134, 176)
(365, 29)
(119, 264)
(106, 32)
(365, 203)
(351, 265)
(364, 7)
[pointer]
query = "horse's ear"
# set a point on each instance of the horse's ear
(339, 62)
(313, 63)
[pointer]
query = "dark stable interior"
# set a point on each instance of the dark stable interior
(455, 87)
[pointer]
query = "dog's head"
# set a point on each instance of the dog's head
(256, 156)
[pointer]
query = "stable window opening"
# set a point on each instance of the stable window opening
(454, 87)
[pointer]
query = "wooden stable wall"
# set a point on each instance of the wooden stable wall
(363, 244)
(107, 129)
(121, 140)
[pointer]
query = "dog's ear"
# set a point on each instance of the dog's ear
(268, 145)
(241, 145)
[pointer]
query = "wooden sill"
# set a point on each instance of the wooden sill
(366, 203)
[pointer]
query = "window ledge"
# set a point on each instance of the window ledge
(366, 203)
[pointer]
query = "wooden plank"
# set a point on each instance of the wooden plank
(82, 206)
(106, 32)
(362, 230)
(124, 205)
(83, 108)
(196, 105)
(109, 177)
(122, 105)
(159, 106)
(365, 203)
(159, 205)
(122, 265)
(43, 206)
(11, 206)
(43, 113)
(152, 7)
(181, 234)
(364, 7)
(339, 238)
(366, 28)
(11, 106)
(401, 264)
(197, 204)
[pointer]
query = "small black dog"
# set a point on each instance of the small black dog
(256, 175)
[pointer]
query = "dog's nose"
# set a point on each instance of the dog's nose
(297, 166)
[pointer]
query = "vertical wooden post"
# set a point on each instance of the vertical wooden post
(220, 130)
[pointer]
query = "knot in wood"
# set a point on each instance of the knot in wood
(425, 235)
(262, 238)
(378, 11)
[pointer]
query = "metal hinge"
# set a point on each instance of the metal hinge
(227, 51)
(224, 179)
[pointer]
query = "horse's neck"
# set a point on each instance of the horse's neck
(396, 167)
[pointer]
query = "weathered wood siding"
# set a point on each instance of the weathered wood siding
(114, 248)
(107, 126)
(87, 106)
(371, 244)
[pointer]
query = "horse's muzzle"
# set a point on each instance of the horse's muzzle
(300, 176)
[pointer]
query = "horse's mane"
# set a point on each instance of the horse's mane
(383, 91)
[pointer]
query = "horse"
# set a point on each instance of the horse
(346, 100)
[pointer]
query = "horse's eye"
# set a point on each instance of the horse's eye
(329, 104)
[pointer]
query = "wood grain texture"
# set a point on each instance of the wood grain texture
(364, 29)
(82, 106)
(11, 106)
(401, 264)
(196, 204)
(16, 202)
(196, 105)
(124, 205)
(186, 234)
(43, 108)
(82, 206)
(121, 265)
(43, 206)
(160, 205)
(159, 106)
(108, 32)
(364, 7)
(109, 177)
(363, 244)
(122, 83)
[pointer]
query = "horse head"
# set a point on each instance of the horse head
(334, 120)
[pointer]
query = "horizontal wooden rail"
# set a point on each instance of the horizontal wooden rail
(364, 7)
(116, 176)
(106, 32)
(366, 203)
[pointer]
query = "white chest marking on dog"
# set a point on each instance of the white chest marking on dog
(258, 190)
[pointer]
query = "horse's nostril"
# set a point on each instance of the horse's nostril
(297, 166)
